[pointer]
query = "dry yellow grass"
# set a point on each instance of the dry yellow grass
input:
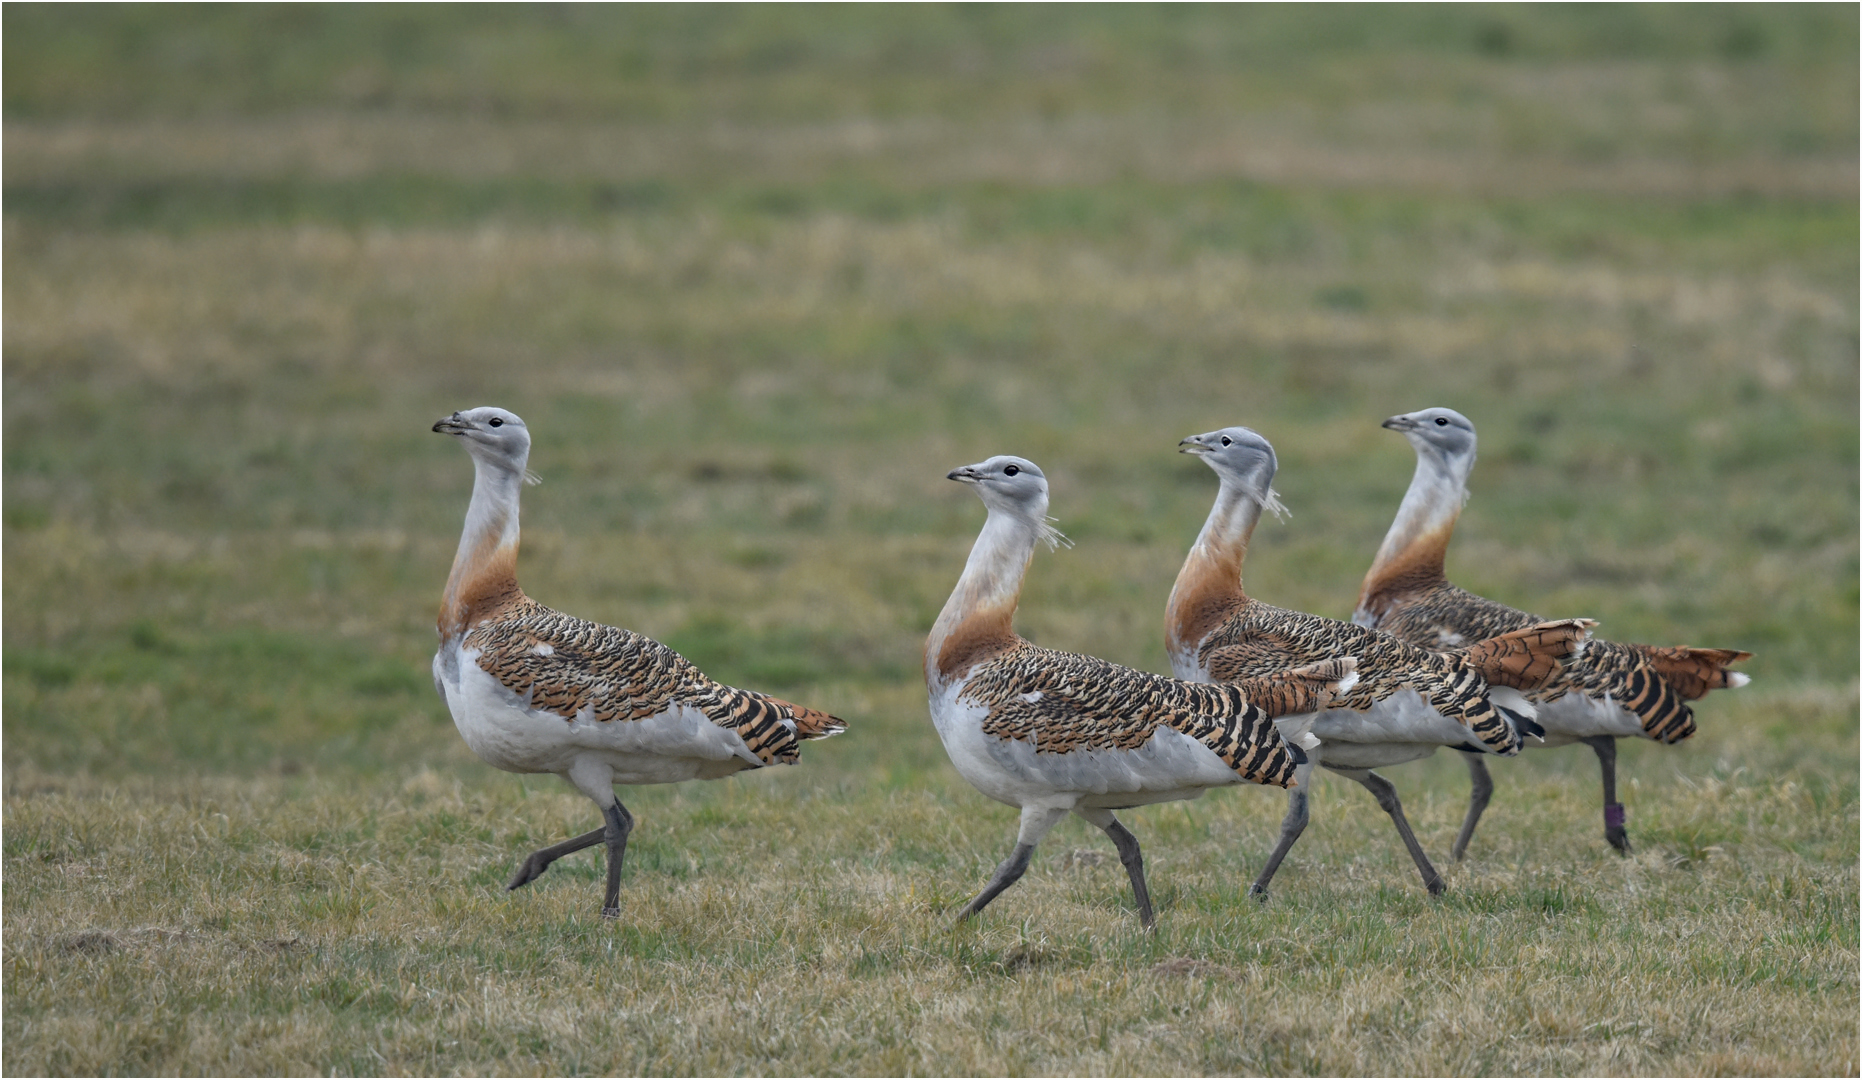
(800, 923)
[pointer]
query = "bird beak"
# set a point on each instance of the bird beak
(1192, 445)
(1400, 423)
(965, 475)
(451, 425)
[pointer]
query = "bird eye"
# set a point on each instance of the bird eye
(496, 422)
(1441, 421)
(1226, 440)
(1012, 470)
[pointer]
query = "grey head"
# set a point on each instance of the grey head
(1007, 483)
(1442, 434)
(1012, 485)
(494, 437)
(1242, 458)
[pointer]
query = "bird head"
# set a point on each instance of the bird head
(1242, 458)
(1443, 434)
(1012, 485)
(493, 436)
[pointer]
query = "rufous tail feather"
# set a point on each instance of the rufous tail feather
(1693, 672)
(1528, 658)
(812, 724)
(1301, 689)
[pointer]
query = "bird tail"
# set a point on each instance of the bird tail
(1301, 689)
(1693, 672)
(1528, 658)
(812, 723)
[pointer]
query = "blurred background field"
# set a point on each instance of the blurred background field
(757, 277)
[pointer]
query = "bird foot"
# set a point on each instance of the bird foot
(1436, 886)
(527, 871)
(611, 913)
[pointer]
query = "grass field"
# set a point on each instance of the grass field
(757, 278)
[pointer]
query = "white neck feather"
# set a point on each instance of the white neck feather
(1430, 506)
(1211, 574)
(491, 527)
(1230, 524)
(991, 584)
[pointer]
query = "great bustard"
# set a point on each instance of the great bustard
(1052, 732)
(1407, 701)
(536, 691)
(1613, 690)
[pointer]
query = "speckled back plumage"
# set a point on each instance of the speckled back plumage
(571, 667)
(1653, 682)
(1258, 638)
(1444, 616)
(1062, 702)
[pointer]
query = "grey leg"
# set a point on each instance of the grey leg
(1007, 874)
(1290, 829)
(1386, 795)
(1614, 817)
(538, 861)
(620, 823)
(1036, 822)
(1477, 800)
(1128, 854)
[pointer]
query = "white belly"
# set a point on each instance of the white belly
(502, 729)
(1575, 716)
(1169, 767)
(1402, 727)
(1403, 717)
(1344, 755)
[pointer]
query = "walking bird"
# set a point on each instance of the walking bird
(1052, 732)
(1407, 700)
(1612, 691)
(535, 691)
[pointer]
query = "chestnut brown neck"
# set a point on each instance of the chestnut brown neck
(484, 575)
(1209, 586)
(978, 620)
(1413, 555)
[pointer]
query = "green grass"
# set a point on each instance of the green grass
(757, 278)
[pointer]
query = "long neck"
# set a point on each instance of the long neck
(484, 576)
(1416, 546)
(1209, 585)
(978, 619)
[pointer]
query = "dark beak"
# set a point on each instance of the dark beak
(1399, 423)
(1192, 445)
(965, 475)
(450, 425)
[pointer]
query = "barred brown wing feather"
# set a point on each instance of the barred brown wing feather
(1531, 657)
(1261, 639)
(1653, 682)
(1446, 616)
(565, 665)
(1253, 658)
(568, 666)
(1063, 703)
(1297, 690)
